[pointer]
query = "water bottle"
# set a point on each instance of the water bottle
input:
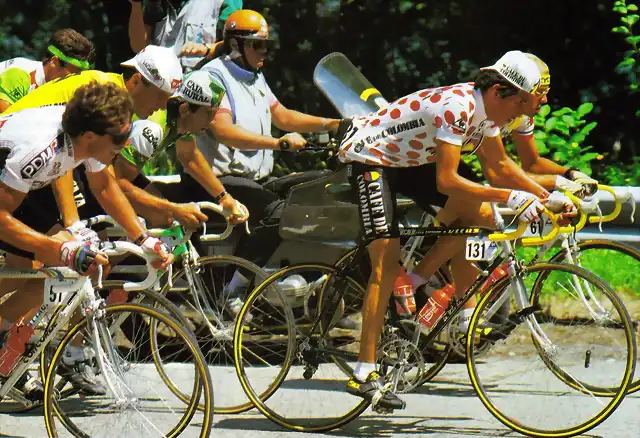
(14, 346)
(403, 294)
(496, 274)
(436, 305)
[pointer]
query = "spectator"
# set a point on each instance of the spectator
(178, 24)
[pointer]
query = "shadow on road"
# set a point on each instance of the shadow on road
(377, 426)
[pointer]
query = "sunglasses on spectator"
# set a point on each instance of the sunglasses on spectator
(259, 44)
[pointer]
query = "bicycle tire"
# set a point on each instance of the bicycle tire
(626, 250)
(483, 390)
(134, 297)
(201, 382)
(265, 292)
(204, 337)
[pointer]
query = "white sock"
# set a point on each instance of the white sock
(417, 280)
(74, 354)
(362, 370)
(465, 318)
(237, 283)
(5, 325)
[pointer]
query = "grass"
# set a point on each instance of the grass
(620, 271)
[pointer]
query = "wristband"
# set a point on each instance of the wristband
(568, 175)
(221, 195)
(141, 238)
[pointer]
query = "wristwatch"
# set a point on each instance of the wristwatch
(285, 145)
(221, 195)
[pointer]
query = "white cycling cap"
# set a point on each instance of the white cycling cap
(520, 70)
(158, 65)
(200, 87)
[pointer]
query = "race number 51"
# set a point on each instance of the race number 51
(54, 293)
(480, 249)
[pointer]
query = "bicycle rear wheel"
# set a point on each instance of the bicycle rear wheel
(204, 306)
(294, 377)
(553, 353)
(137, 403)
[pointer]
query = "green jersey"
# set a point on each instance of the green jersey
(152, 136)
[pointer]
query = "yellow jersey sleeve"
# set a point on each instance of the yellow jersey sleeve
(60, 91)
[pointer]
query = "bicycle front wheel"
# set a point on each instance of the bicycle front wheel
(618, 265)
(554, 352)
(137, 402)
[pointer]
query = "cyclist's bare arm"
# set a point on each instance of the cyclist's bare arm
(502, 171)
(16, 233)
(105, 188)
(452, 184)
(294, 121)
(139, 33)
(148, 203)
(125, 173)
(532, 162)
(198, 167)
(63, 192)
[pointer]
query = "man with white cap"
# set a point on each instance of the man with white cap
(188, 113)
(394, 151)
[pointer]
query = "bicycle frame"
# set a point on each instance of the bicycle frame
(71, 303)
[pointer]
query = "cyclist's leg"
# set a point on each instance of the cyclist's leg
(376, 205)
(384, 255)
(38, 211)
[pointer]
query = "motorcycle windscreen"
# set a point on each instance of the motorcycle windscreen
(346, 87)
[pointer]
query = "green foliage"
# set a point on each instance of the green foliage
(287, 162)
(629, 64)
(562, 134)
(620, 174)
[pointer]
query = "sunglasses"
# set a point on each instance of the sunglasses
(259, 44)
(121, 137)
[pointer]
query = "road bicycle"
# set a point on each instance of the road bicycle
(318, 361)
(136, 400)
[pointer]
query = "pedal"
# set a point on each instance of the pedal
(382, 410)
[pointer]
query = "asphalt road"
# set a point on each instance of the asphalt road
(446, 408)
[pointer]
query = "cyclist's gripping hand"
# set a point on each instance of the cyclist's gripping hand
(296, 141)
(80, 232)
(189, 215)
(559, 203)
(590, 185)
(155, 247)
(567, 185)
(234, 211)
(80, 257)
(526, 205)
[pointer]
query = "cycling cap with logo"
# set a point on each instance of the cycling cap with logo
(517, 68)
(199, 87)
(158, 65)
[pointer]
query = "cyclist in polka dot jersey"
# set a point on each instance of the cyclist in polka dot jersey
(406, 133)
(414, 147)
